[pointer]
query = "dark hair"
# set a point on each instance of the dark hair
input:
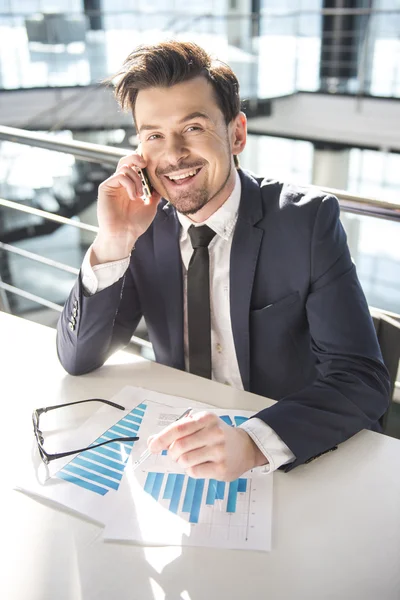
(168, 63)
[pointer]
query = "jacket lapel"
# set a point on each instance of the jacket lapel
(169, 266)
(244, 254)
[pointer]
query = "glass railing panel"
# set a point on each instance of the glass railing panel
(278, 158)
(375, 173)
(54, 182)
(375, 249)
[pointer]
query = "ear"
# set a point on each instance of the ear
(239, 133)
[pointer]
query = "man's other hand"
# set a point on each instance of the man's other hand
(206, 447)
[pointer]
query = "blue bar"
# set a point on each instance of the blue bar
(220, 490)
(227, 420)
(112, 454)
(155, 492)
(187, 503)
(121, 432)
(150, 479)
(91, 476)
(164, 453)
(95, 467)
(242, 487)
(169, 486)
(176, 494)
(196, 504)
(135, 411)
(142, 406)
(212, 491)
(134, 419)
(84, 484)
(232, 496)
(103, 460)
(240, 420)
(128, 425)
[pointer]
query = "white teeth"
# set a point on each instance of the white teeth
(190, 174)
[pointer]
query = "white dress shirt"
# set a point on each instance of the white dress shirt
(225, 368)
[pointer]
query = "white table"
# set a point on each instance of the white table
(336, 521)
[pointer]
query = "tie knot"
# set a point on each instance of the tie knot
(200, 236)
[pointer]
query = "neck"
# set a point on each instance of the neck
(216, 201)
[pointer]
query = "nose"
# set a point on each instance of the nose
(175, 149)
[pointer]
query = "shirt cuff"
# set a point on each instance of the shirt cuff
(270, 444)
(97, 278)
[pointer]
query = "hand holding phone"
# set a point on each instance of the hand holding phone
(126, 207)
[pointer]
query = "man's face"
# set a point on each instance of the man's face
(187, 144)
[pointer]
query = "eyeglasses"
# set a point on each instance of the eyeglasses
(46, 456)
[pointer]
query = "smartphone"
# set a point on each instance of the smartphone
(147, 188)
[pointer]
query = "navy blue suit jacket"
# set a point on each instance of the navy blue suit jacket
(301, 325)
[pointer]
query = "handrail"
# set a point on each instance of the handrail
(37, 258)
(83, 150)
(349, 202)
(46, 215)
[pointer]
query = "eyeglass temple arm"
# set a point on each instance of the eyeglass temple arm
(62, 454)
(47, 408)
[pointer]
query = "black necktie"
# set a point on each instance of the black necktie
(198, 302)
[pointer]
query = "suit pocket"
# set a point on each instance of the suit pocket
(277, 306)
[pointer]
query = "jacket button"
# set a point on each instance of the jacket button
(71, 326)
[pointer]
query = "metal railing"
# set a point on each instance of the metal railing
(95, 153)
(352, 203)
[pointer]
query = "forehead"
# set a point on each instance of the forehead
(157, 105)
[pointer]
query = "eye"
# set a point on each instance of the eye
(154, 136)
(194, 128)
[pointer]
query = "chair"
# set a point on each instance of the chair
(388, 331)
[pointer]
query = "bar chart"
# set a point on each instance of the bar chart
(101, 469)
(197, 492)
(217, 511)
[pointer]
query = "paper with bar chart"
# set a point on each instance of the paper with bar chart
(157, 503)
(172, 508)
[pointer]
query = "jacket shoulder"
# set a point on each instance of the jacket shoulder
(289, 195)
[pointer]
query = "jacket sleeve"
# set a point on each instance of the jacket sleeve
(351, 391)
(91, 328)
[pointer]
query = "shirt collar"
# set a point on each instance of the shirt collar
(223, 220)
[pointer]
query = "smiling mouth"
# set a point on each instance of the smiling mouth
(182, 178)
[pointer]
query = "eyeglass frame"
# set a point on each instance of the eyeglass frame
(47, 456)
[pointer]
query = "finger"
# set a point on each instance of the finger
(208, 436)
(208, 470)
(213, 453)
(177, 430)
(131, 172)
(121, 180)
(134, 159)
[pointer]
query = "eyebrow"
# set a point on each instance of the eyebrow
(193, 115)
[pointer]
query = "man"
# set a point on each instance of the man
(283, 315)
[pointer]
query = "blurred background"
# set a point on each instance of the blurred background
(320, 84)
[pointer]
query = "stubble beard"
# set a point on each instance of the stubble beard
(190, 203)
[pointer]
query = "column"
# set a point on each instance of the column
(342, 43)
(243, 28)
(92, 9)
